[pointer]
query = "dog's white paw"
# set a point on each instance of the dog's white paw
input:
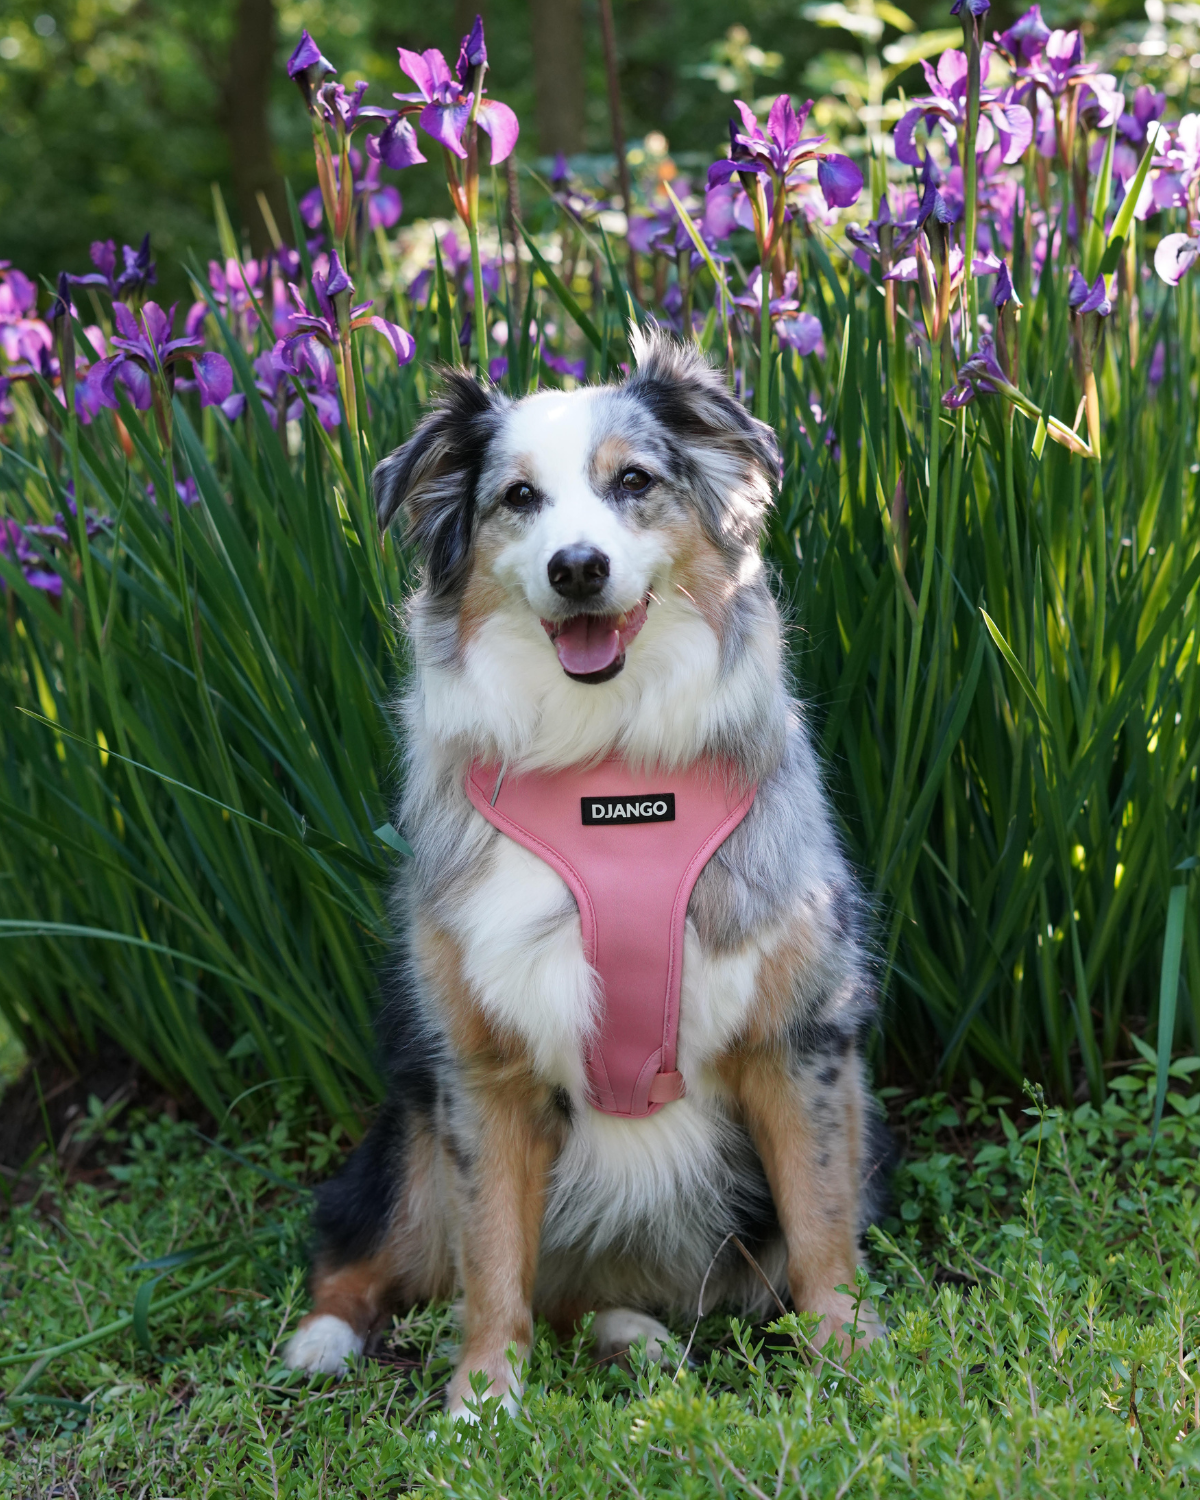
(323, 1346)
(618, 1327)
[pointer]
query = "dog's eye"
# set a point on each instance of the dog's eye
(520, 496)
(635, 481)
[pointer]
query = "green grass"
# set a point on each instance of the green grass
(1039, 1280)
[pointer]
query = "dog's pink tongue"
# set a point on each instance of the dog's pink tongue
(588, 643)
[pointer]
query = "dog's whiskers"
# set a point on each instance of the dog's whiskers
(685, 593)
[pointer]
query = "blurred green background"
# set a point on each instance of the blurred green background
(117, 116)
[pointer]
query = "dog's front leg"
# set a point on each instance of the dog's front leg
(501, 1175)
(805, 1117)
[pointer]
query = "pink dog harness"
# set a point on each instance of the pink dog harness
(630, 847)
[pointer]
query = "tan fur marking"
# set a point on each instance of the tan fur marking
(356, 1293)
(417, 1248)
(477, 1041)
(816, 1203)
(701, 573)
(611, 456)
(774, 1003)
(482, 596)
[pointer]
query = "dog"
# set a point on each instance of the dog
(592, 587)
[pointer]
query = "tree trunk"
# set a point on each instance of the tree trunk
(246, 96)
(557, 30)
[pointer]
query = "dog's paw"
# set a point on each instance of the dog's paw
(617, 1327)
(322, 1345)
(838, 1316)
(458, 1411)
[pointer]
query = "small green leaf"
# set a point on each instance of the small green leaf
(141, 1313)
(1167, 996)
(386, 834)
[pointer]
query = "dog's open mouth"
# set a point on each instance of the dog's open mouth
(591, 648)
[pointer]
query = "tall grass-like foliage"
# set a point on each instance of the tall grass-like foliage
(988, 533)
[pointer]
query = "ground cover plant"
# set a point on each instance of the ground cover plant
(1039, 1279)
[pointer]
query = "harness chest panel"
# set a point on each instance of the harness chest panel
(630, 846)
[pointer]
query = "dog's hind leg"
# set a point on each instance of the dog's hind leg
(617, 1328)
(382, 1241)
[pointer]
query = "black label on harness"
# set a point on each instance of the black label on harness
(655, 807)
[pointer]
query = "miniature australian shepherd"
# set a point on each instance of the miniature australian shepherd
(593, 588)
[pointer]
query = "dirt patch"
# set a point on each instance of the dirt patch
(44, 1109)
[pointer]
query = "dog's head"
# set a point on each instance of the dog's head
(582, 511)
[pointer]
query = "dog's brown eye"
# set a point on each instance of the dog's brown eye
(519, 496)
(635, 481)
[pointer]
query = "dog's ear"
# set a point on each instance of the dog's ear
(433, 477)
(734, 461)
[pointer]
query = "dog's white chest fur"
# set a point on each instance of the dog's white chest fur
(523, 956)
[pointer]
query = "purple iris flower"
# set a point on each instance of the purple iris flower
(1148, 108)
(307, 66)
(561, 365)
(396, 145)
(307, 366)
(784, 306)
(23, 335)
(18, 295)
(138, 271)
(1004, 292)
(801, 332)
(577, 201)
(653, 232)
(15, 547)
(778, 152)
(333, 288)
(913, 213)
(497, 368)
(946, 106)
(981, 375)
(985, 264)
(446, 99)
(26, 545)
(974, 8)
(1179, 165)
(1088, 299)
(146, 349)
(1175, 256)
(1101, 101)
(383, 202)
(1158, 364)
(312, 208)
(213, 378)
(1057, 64)
(1026, 37)
(187, 489)
(7, 410)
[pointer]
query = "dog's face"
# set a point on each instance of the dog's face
(580, 510)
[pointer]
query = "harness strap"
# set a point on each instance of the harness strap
(630, 847)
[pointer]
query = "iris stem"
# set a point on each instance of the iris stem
(1010, 510)
(1100, 601)
(764, 345)
(910, 686)
(481, 339)
(970, 176)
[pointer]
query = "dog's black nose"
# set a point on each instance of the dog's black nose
(578, 571)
